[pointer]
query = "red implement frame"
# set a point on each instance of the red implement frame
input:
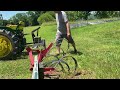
(41, 55)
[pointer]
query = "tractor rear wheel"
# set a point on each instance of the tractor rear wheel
(9, 45)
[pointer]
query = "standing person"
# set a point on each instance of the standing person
(63, 30)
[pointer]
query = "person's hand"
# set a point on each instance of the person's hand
(68, 36)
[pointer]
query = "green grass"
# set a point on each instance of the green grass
(99, 45)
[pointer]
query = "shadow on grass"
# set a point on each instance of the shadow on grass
(76, 53)
(23, 55)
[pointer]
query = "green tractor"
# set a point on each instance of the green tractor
(12, 41)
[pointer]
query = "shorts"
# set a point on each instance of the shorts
(60, 37)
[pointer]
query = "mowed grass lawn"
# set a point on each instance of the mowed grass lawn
(99, 46)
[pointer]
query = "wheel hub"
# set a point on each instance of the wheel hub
(5, 46)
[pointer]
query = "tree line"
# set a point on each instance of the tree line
(32, 18)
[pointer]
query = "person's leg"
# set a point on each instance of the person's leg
(58, 50)
(59, 40)
(71, 41)
(73, 44)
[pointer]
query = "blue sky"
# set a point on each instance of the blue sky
(8, 14)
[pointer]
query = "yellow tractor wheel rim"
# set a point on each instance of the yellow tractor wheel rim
(5, 46)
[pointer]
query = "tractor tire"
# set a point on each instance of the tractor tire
(9, 45)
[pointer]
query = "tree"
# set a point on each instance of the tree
(33, 16)
(75, 15)
(51, 13)
(19, 17)
(86, 14)
(46, 17)
(102, 14)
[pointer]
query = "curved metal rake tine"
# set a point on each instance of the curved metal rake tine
(52, 63)
(66, 65)
(48, 63)
(76, 64)
(75, 61)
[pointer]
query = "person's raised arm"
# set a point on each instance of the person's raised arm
(67, 25)
(68, 28)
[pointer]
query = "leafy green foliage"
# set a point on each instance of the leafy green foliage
(31, 17)
(46, 17)
(75, 15)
